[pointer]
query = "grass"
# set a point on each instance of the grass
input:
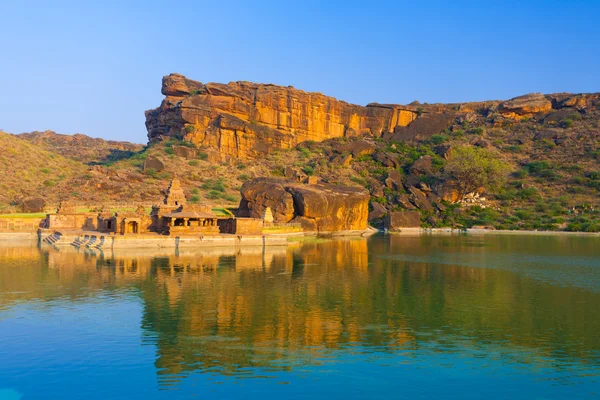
(23, 215)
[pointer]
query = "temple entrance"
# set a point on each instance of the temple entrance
(109, 225)
(132, 227)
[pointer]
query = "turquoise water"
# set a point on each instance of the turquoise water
(464, 317)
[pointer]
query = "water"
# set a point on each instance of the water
(466, 317)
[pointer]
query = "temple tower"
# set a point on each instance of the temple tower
(175, 196)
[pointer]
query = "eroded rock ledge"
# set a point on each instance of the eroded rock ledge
(243, 120)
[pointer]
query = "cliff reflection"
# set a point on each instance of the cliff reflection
(227, 311)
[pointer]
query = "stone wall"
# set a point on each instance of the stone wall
(20, 224)
(84, 221)
(241, 226)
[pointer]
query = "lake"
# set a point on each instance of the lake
(463, 316)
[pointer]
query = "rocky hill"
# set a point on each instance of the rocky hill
(241, 120)
(29, 171)
(81, 147)
(544, 149)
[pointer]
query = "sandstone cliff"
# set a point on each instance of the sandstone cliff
(245, 120)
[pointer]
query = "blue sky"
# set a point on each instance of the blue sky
(94, 67)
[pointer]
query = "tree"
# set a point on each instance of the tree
(473, 167)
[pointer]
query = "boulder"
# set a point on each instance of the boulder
(260, 193)
(424, 127)
(359, 148)
(419, 199)
(558, 116)
(378, 211)
(422, 166)
(480, 142)
(525, 106)
(394, 179)
(397, 220)
(320, 207)
(387, 159)
(154, 163)
(186, 152)
(33, 205)
(403, 200)
(443, 150)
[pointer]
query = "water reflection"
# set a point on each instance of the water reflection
(249, 312)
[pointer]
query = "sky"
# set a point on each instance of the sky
(94, 67)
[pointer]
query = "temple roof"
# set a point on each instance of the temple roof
(190, 214)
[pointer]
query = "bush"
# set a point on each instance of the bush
(566, 123)
(243, 177)
(278, 171)
(151, 172)
(477, 131)
(194, 199)
(213, 194)
(202, 156)
(308, 170)
(193, 163)
(438, 139)
(216, 185)
(229, 198)
(472, 167)
(528, 193)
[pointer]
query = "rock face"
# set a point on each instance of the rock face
(527, 105)
(318, 207)
(244, 120)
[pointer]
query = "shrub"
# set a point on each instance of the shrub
(214, 185)
(230, 198)
(566, 123)
(190, 128)
(472, 167)
(514, 148)
(278, 171)
(308, 170)
(202, 156)
(193, 163)
(477, 131)
(528, 193)
(304, 152)
(213, 194)
(151, 172)
(438, 139)
(194, 199)
(243, 177)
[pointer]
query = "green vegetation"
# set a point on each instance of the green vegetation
(472, 167)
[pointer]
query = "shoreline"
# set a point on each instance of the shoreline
(97, 240)
(477, 231)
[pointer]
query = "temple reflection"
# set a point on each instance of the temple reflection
(228, 310)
